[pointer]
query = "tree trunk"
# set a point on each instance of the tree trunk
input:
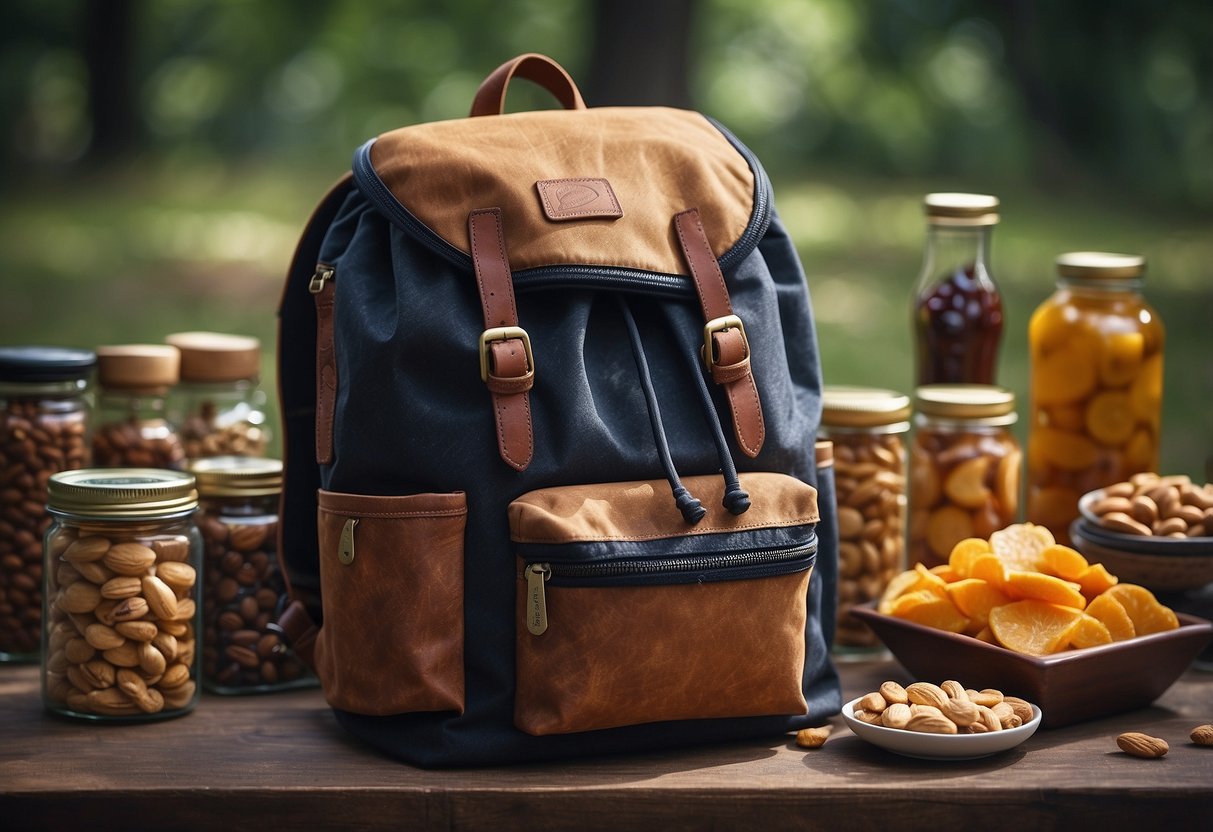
(641, 53)
(108, 50)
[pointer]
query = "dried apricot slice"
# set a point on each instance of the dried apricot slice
(946, 527)
(1007, 482)
(1066, 375)
(1019, 545)
(1120, 358)
(1064, 449)
(925, 488)
(899, 585)
(946, 572)
(964, 552)
(1063, 562)
(1110, 417)
(1042, 587)
(1148, 615)
(1095, 580)
(1032, 627)
(975, 598)
(1089, 632)
(965, 484)
(1112, 613)
(927, 608)
(1146, 390)
(989, 568)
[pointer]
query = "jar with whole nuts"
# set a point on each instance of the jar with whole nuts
(44, 414)
(122, 595)
(132, 428)
(964, 468)
(217, 404)
(244, 591)
(1096, 352)
(867, 427)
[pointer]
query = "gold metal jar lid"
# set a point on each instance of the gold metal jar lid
(1100, 265)
(216, 356)
(138, 366)
(862, 407)
(122, 493)
(991, 404)
(961, 209)
(232, 476)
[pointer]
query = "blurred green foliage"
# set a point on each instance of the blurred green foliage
(1093, 121)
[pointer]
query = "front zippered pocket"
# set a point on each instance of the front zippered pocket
(627, 614)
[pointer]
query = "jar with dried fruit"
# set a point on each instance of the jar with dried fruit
(867, 427)
(44, 414)
(132, 428)
(217, 403)
(957, 306)
(244, 592)
(964, 467)
(1096, 350)
(123, 602)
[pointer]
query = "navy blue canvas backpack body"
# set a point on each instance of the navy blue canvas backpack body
(550, 388)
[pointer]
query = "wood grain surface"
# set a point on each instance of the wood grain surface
(280, 762)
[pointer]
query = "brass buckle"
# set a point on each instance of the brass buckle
(720, 325)
(503, 333)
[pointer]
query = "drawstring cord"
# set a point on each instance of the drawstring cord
(692, 510)
(736, 500)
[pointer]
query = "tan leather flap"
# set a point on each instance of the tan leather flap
(658, 161)
(644, 510)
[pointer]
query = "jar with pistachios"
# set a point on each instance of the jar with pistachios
(244, 591)
(218, 405)
(964, 468)
(132, 427)
(867, 427)
(122, 596)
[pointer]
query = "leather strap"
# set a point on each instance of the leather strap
(730, 359)
(490, 97)
(326, 370)
(300, 631)
(508, 372)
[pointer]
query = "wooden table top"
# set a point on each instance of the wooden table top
(280, 761)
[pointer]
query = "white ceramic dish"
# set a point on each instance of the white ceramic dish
(940, 746)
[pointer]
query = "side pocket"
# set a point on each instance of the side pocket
(391, 577)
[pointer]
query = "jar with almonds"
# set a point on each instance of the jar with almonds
(867, 427)
(964, 468)
(1096, 353)
(218, 405)
(244, 592)
(44, 415)
(133, 430)
(123, 602)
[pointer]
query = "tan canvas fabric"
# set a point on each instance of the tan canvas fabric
(658, 162)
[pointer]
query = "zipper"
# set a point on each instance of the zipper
(738, 565)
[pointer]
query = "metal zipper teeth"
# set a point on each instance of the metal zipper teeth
(638, 567)
(760, 218)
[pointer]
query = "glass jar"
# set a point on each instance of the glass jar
(867, 427)
(217, 403)
(122, 596)
(132, 428)
(957, 307)
(44, 414)
(964, 468)
(1096, 351)
(244, 591)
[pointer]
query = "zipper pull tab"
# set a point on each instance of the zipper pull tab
(536, 604)
(345, 546)
(323, 274)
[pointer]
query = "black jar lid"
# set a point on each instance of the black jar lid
(37, 364)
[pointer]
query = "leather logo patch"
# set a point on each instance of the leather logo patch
(578, 199)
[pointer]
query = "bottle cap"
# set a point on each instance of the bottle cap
(863, 407)
(1100, 265)
(121, 493)
(961, 209)
(216, 356)
(138, 366)
(991, 404)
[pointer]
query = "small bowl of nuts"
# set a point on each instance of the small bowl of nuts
(941, 722)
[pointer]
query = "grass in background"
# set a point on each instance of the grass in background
(136, 254)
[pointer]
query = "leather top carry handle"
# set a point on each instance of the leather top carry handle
(490, 98)
(726, 350)
(507, 365)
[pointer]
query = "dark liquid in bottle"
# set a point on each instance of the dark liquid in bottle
(958, 323)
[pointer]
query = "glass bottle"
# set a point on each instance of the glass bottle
(217, 404)
(244, 591)
(132, 428)
(44, 414)
(867, 427)
(957, 306)
(1096, 365)
(964, 468)
(122, 608)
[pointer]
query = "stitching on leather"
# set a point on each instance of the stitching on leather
(390, 515)
(543, 196)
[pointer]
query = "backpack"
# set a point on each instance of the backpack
(550, 387)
